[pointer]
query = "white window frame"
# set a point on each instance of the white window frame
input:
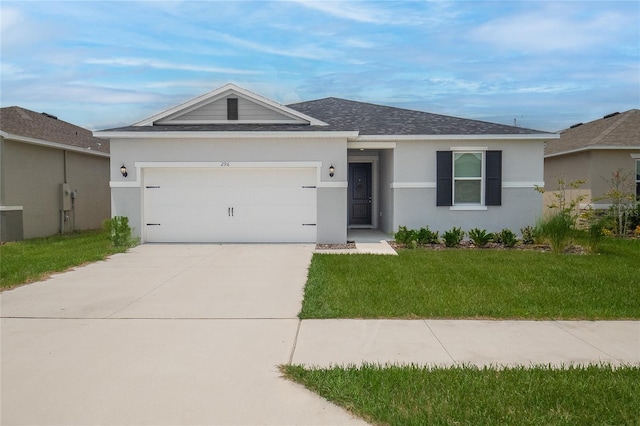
(481, 177)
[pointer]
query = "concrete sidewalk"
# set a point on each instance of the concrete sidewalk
(194, 334)
(343, 342)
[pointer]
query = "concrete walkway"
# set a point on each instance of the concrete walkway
(193, 334)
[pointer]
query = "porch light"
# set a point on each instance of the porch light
(123, 170)
(331, 170)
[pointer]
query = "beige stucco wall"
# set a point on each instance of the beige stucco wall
(32, 176)
(594, 166)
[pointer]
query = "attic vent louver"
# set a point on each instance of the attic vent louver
(575, 125)
(232, 108)
(49, 115)
(611, 115)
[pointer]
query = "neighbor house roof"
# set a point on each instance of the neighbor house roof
(343, 115)
(613, 131)
(45, 129)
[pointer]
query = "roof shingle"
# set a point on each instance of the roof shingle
(365, 118)
(615, 131)
(30, 124)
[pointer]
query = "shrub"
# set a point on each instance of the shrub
(480, 237)
(528, 235)
(403, 236)
(559, 230)
(453, 237)
(426, 236)
(507, 238)
(119, 230)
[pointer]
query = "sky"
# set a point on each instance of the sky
(544, 65)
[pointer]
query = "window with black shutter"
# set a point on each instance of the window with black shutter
(460, 180)
(444, 184)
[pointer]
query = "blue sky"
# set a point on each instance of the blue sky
(546, 64)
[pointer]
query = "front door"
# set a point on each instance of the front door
(359, 193)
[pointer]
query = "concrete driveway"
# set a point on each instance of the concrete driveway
(162, 335)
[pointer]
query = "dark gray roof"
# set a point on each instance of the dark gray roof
(612, 131)
(372, 119)
(30, 124)
(365, 118)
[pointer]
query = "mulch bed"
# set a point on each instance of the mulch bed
(464, 245)
(468, 245)
(349, 245)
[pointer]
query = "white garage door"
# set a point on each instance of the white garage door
(230, 204)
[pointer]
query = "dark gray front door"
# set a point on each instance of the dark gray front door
(359, 193)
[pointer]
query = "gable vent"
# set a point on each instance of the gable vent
(232, 108)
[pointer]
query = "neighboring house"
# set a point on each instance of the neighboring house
(593, 152)
(54, 176)
(232, 166)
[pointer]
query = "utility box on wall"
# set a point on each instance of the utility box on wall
(65, 197)
(11, 227)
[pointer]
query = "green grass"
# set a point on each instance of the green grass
(412, 395)
(513, 284)
(33, 260)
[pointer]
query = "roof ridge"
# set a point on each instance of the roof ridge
(621, 119)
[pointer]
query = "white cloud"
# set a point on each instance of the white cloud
(142, 62)
(307, 51)
(555, 27)
(353, 11)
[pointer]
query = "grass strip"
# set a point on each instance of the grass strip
(504, 284)
(412, 395)
(35, 259)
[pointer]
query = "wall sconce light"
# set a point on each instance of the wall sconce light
(123, 170)
(331, 170)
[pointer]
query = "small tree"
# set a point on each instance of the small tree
(622, 196)
(559, 227)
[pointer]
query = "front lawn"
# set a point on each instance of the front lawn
(412, 395)
(457, 283)
(33, 260)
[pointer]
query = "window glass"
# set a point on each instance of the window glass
(467, 178)
(467, 192)
(468, 164)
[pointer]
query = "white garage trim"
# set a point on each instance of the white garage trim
(139, 165)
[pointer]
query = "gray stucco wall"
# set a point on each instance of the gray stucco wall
(415, 163)
(32, 176)
(386, 193)
(331, 198)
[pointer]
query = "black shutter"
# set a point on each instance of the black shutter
(232, 108)
(493, 175)
(444, 180)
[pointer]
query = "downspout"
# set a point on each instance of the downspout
(64, 171)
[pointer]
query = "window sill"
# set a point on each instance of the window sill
(468, 208)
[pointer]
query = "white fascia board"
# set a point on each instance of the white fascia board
(594, 148)
(223, 135)
(201, 122)
(371, 145)
(222, 91)
(54, 145)
(535, 136)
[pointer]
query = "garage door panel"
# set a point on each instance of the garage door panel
(230, 205)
